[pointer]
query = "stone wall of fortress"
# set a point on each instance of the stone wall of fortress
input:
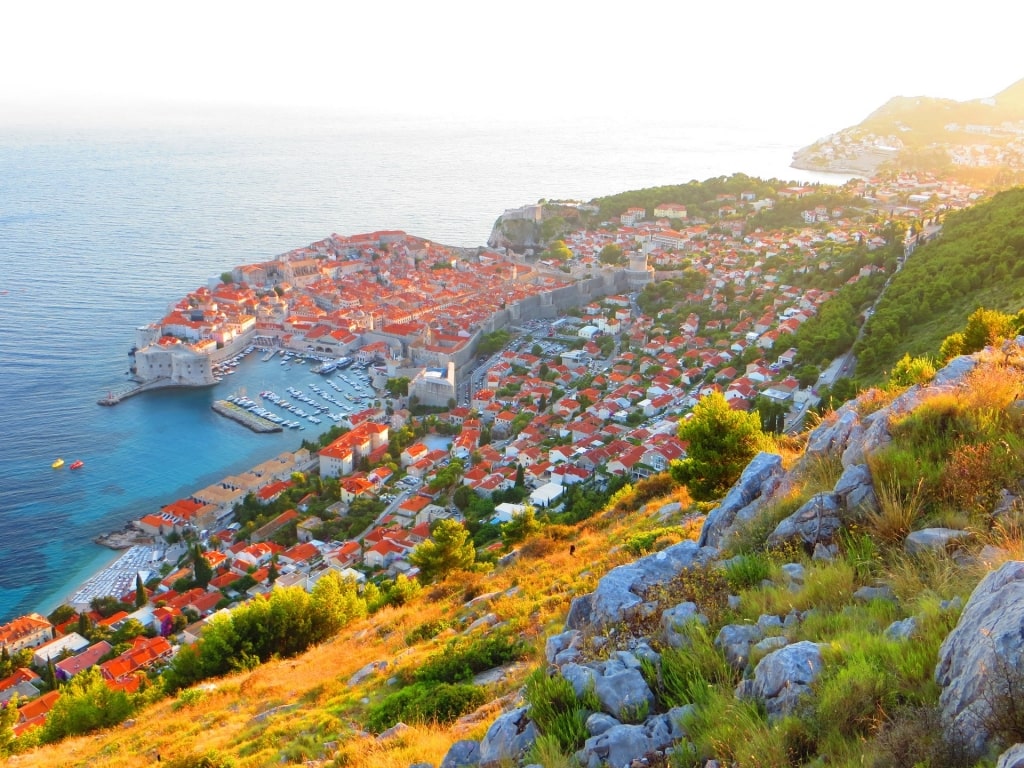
(188, 368)
(178, 365)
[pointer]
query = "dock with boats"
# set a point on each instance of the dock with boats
(245, 417)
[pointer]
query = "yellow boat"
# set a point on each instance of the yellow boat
(58, 463)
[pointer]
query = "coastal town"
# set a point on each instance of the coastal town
(467, 384)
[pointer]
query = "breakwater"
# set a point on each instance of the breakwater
(243, 417)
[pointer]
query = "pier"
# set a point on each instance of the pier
(243, 417)
(123, 392)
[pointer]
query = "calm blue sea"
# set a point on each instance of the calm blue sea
(101, 228)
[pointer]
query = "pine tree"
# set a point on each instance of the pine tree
(140, 592)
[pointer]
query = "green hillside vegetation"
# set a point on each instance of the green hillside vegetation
(977, 261)
(700, 197)
(922, 120)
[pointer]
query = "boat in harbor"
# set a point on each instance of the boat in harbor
(58, 463)
(77, 464)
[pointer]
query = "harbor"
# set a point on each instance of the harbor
(244, 417)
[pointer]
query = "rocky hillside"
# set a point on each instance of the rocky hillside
(851, 603)
(823, 615)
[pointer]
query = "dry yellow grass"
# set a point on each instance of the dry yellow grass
(238, 716)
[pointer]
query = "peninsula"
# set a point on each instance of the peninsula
(980, 140)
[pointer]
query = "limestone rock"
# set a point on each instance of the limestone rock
(793, 574)
(395, 730)
(932, 540)
(619, 594)
(508, 737)
(565, 647)
(832, 437)
(757, 481)
(673, 619)
(599, 722)
(462, 754)
(856, 489)
(982, 654)
(901, 630)
(867, 594)
(817, 521)
(370, 669)
(624, 694)
(735, 640)
(620, 745)
(783, 677)
(1012, 758)
(954, 371)
(620, 687)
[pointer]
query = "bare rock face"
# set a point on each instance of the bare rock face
(1012, 758)
(508, 737)
(816, 522)
(620, 592)
(754, 487)
(932, 540)
(856, 489)
(782, 678)
(981, 662)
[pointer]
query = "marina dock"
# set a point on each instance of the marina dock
(244, 417)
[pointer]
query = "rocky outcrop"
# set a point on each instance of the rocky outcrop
(508, 738)
(618, 745)
(981, 662)
(816, 522)
(617, 683)
(757, 483)
(783, 678)
(622, 593)
(932, 540)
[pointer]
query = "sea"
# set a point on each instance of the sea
(103, 226)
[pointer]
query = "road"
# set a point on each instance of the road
(845, 365)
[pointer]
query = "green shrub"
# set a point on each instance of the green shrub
(556, 710)
(748, 571)
(211, 759)
(461, 659)
(737, 733)
(650, 541)
(918, 732)
(689, 674)
(426, 631)
(424, 703)
(547, 751)
(860, 552)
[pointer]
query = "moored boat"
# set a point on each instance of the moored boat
(58, 463)
(77, 464)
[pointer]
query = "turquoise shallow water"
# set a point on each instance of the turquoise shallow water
(101, 229)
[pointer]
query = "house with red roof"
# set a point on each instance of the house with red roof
(266, 531)
(33, 714)
(144, 653)
(345, 556)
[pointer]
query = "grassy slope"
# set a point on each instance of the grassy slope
(225, 719)
(978, 261)
(869, 680)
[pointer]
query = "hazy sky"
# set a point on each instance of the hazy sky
(818, 62)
